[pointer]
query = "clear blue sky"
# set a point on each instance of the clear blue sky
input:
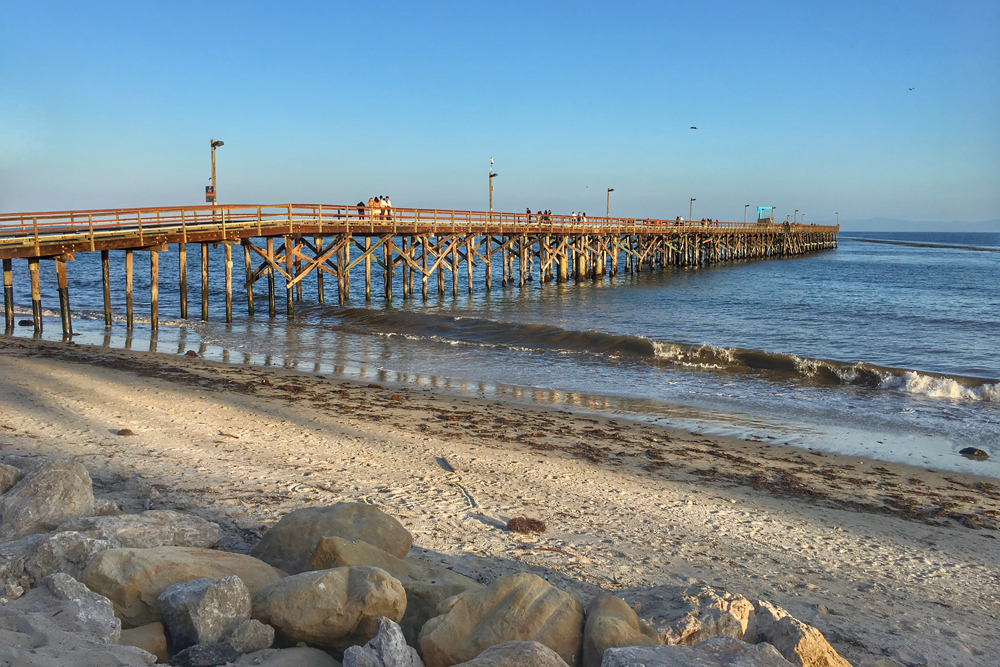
(803, 105)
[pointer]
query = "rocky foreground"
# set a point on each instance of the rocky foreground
(86, 583)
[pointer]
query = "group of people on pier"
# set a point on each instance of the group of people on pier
(379, 208)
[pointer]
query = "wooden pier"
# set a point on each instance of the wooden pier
(421, 248)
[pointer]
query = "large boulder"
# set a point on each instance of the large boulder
(290, 544)
(32, 558)
(151, 638)
(212, 654)
(330, 608)
(62, 623)
(44, 498)
(516, 654)
(300, 656)
(800, 643)
(518, 607)
(9, 475)
(154, 528)
(134, 578)
(687, 615)
(611, 623)
(388, 648)
(426, 585)
(716, 652)
(200, 611)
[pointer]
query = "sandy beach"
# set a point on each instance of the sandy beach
(894, 564)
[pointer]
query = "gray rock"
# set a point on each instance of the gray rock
(387, 648)
(9, 475)
(206, 655)
(249, 636)
(107, 508)
(299, 656)
(44, 498)
(290, 544)
(200, 611)
(516, 654)
(426, 585)
(154, 528)
(690, 614)
(30, 559)
(334, 608)
(716, 652)
(63, 603)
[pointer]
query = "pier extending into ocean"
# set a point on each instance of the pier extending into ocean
(419, 247)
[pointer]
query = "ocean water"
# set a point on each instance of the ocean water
(887, 347)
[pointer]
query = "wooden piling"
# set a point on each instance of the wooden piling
(368, 269)
(469, 252)
(341, 275)
(423, 264)
(249, 271)
(64, 313)
(204, 282)
(229, 282)
(129, 313)
(182, 266)
(270, 277)
(154, 290)
(441, 264)
(319, 274)
(489, 261)
(387, 269)
(106, 284)
(36, 294)
(8, 296)
(290, 270)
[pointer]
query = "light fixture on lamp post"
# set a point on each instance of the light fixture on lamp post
(492, 176)
(691, 209)
(212, 195)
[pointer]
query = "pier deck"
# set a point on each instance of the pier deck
(419, 244)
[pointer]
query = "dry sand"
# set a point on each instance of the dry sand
(893, 563)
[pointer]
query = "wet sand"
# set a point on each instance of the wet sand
(891, 562)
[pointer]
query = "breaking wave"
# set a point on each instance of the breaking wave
(465, 330)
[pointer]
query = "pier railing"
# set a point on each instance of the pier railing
(27, 232)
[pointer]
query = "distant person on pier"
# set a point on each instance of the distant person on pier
(371, 208)
(361, 209)
(527, 212)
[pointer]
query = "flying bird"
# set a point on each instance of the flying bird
(911, 89)
(693, 127)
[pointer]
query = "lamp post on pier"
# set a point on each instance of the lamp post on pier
(607, 213)
(838, 218)
(745, 208)
(492, 176)
(691, 209)
(795, 216)
(212, 196)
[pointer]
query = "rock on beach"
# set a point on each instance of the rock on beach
(199, 611)
(800, 643)
(691, 614)
(716, 652)
(290, 544)
(330, 608)
(611, 623)
(153, 528)
(515, 607)
(44, 498)
(133, 579)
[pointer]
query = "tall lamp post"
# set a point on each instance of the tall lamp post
(745, 208)
(213, 196)
(691, 209)
(795, 216)
(607, 213)
(492, 176)
(838, 219)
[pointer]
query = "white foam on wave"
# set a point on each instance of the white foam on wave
(683, 355)
(912, 382)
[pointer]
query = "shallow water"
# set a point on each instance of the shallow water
(888, 349)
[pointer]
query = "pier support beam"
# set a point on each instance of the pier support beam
(36, 294)
(368, 269)
(106, 280)
(204, 282)
(229, 282)
(319, 274)
(270, 277)
(182, 267)
(129, 314)
(249, 272)
(64, 312)
(289, 268)
(8, 296)
(154, 290)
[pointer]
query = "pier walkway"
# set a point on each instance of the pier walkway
(417, 245)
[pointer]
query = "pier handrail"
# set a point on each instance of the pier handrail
(275, 218)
